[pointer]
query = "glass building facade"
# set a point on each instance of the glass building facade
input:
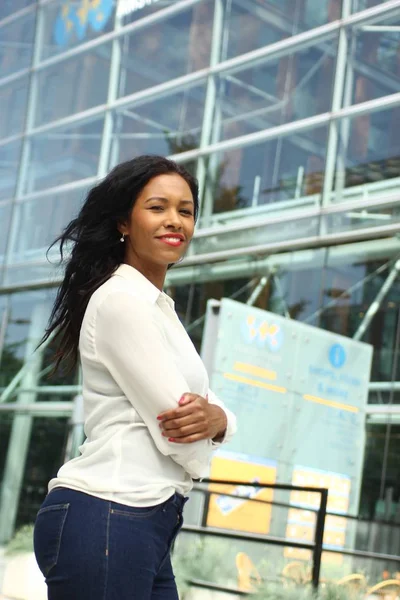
(287, 111)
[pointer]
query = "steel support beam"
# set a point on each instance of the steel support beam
(253, 265)
(338, 87)
(206, 198)
(255, 294)
(112, 95)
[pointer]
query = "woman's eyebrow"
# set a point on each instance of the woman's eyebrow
(162, 199)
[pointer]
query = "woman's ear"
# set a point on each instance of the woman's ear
(122, 228)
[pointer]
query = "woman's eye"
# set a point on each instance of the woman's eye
(156, 208)
(187, 212)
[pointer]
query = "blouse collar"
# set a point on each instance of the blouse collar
(148, 289)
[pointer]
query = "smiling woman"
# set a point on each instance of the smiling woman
(151, 421)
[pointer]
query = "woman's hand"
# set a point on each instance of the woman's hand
(193, 420)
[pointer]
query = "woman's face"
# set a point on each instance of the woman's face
(161, 224)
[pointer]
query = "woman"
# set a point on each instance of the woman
(105, 529)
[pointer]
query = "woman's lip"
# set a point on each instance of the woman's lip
(171, 241)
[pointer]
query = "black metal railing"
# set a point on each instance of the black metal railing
(316, 547)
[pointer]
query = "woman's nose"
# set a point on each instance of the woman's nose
(173, 220)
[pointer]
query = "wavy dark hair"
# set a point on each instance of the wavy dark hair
(93, 243)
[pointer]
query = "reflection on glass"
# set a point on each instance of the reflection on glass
(64, 155)
(13, 102)
(191, 301)
(16, 44)
(346, 302)
(358, 5)
(384, 396)
(40, 220)
(277, 91)
(66, 25)
(374, 60)
(167, 49)
(281, 169)
(169, 125)
(8, 7)
(9, 168)
(381, 486)
(251, 25)
(363, 218)
(26, 317)
(45, 457)
(296, 292)
(368, 155)
(80, 83)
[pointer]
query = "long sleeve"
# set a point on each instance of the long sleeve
(231, 427)
(131, 345)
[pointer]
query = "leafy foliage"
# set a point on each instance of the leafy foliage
(22, 541)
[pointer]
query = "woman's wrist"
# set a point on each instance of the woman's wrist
(221, 423)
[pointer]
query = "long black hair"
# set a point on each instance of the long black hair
(92, 240)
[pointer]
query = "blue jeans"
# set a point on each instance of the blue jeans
(92, 549)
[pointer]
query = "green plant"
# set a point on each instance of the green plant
(21, 542)
(326, 592)
(200, 559)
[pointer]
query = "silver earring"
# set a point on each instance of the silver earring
(122, 239)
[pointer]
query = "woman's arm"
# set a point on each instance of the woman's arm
(199, 418)
(131, 344)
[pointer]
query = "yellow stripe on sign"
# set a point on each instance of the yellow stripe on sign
(253, 370)
(255, 383)
(331, 403)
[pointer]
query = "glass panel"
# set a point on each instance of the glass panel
(9, 167)
(5, 216)
(358, 5)
(13, 102)
(251, 25)
(277, 91)
(8, 7)
(45, 456)
(40, 270)
(168, 125)
(368, 156)
(297, 291)
(74, 86)
(166, 50)
(363, 218)
(346, 300)
(274, 171)
(27, 316)
(68, 24)
(5, 430)
(16, 44)
(191, 301)
(373, 63)
(381, 486)
(384, 397)
(64, 155)
(39, 221)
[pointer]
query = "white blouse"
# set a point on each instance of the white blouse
(137, 361)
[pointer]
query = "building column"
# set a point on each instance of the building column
(21, 428)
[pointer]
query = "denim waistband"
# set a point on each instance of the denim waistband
(177, 499)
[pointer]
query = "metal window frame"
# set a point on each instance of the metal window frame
(302, 40)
